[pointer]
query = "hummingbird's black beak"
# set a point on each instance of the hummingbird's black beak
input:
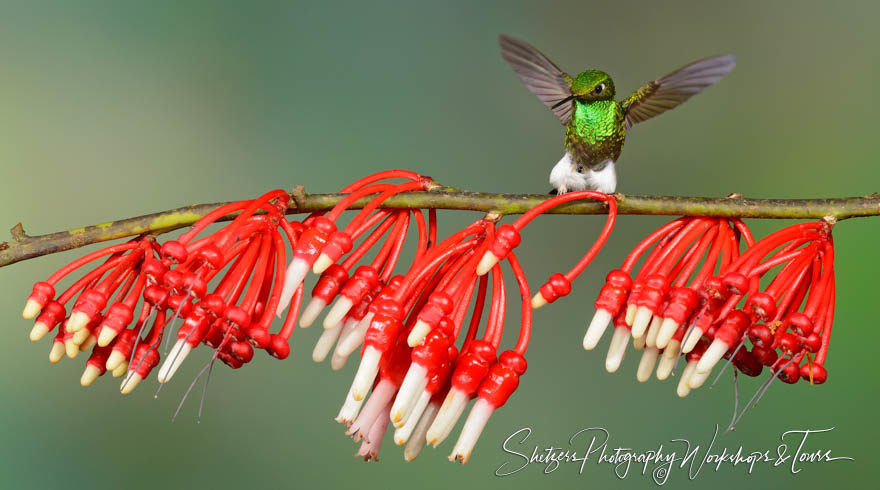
(563, 101)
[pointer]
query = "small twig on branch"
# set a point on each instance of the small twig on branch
(734, 206)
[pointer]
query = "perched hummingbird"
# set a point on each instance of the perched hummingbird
(595, 123)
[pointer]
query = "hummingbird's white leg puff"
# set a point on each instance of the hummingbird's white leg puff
(603, 179)
(565, 177)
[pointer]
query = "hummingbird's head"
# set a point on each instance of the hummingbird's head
(592, 85)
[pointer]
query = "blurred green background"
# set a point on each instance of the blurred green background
(115, 109)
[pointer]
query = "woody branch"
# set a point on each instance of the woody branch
(23, 247)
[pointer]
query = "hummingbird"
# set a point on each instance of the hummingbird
(595, 123)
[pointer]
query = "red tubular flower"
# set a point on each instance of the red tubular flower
(786, 322)
(676, 285)
(501, 380)
(309, 251)
(695, 294)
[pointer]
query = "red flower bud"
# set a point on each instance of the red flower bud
(338, 244)
(42, 293)
(760, 335)
(736, 282)
(473, 366)
(682, 302)
(557, 286)
(174, 252)
(761, 306)
(614, 292)
(502, 379)
(748, 363)
(814, 373)
(506, 239)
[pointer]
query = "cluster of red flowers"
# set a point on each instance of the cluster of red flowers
(425, 351)
(174, 281)
(418, 365)
(697, 296)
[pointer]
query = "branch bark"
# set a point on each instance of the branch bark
(25, 247)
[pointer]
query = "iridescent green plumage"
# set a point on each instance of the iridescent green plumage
(595, 123)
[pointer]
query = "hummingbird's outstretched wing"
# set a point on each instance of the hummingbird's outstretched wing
(541, 76)
(666, 92)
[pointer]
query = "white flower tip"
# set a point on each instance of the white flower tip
(641, 321)
(667, 330)
(294, 276)
(366, 373)
(470, 433)
(80, 336)
(639, 343)
(323, 262)
(353, 340)
(667, 362)
(487, 262)
(408, 394)
(419, 331)
(38, 331)
(71, 348)
(325, 343)
(338, 311)
(683, 389)
(114, 360)
(684, 382)
(692, 338)
(56, 352)
(663, 371)
(412, 419)
(538, 300)
(410, 454)
(617, 349)
(598, 325)
(173, 361)
(447, 416)
(311, 311)
(130, 382)
(653, 330)
(713, 354)
(89, 376)
(397, 418)
(77, 321)
(697, 379)
(630, 314)
(120, 370)
(31, 309)
(106, 336)
(646, 364)
(88, 343)
(337, 361)
(418, 437)
(349, 410)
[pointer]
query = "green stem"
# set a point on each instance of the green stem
(25, 247)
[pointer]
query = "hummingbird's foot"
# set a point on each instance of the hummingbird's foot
(564, 177)
(602, 178)
(567, 175)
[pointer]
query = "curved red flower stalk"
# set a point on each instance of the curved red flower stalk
(322, 244)
(509, 238)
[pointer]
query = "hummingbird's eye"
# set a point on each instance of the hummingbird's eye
(599, 88)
